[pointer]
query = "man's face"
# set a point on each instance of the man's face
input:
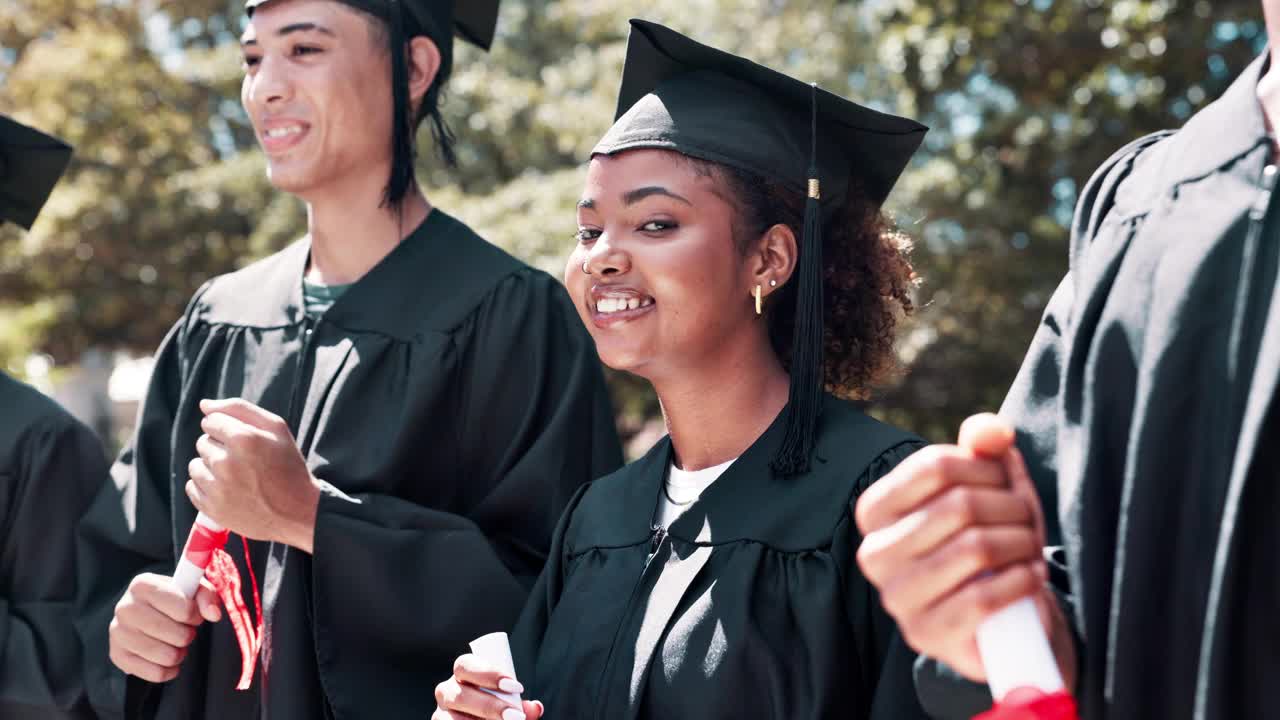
(317, 89)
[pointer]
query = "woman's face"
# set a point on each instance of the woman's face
(667, 288)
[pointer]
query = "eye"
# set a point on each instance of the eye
(586, 235)
(299, 50)
(654, 226)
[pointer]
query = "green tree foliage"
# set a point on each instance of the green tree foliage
(1025, 98)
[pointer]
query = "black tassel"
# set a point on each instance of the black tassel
(403, 150)
(807, 376)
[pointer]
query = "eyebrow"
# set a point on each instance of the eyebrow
(293, 28)
(634, 196)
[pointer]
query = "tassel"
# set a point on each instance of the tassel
(403, 151)
(225, 578)
(807, 377)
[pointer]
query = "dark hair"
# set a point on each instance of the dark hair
(867, 278)
(429, 108)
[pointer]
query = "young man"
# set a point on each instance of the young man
(391, 411)
(51, 466)
(1147, 407)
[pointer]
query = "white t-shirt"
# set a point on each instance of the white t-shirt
(683, 488)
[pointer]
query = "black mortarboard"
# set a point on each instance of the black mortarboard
(30, 165)
(680, 95)
(474, 20)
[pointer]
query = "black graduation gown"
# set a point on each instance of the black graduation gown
(750, 605)
(452, 402)
(1146, 406)
(51, 466)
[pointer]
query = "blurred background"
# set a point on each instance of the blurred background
(1025, 99)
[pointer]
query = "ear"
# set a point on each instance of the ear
(424, 63)
(772, 258)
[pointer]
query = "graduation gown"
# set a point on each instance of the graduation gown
(1146, 407)
(51, 466)
(750, 605)
(450, 401)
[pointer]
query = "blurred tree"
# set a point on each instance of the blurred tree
(1025, 99)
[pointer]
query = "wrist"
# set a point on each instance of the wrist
(300, 528)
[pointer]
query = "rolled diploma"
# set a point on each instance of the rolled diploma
(1015, 651)
(495, 649)
(197, 554)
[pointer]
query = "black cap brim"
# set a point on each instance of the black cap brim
(30, 165)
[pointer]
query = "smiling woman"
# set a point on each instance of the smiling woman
(730, 250)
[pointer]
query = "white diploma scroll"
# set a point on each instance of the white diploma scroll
(495, 649)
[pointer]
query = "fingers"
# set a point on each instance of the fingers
(533, 709)
(149, 649)
(921, 532)
(160, 593)
(131, 664)
(973, 553)
(466, 701)
(920, 477)
(1023, 487)
(947, 630)
(210, 450)
(151, 630)
(473, 670)
(138, 616)
(987, 435)
(207, 602)
(243, 411)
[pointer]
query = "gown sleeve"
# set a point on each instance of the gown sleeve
(530, 629)
(1034, 407)
(886, 661)
(400, 589)
(127, 530)
(60, 466)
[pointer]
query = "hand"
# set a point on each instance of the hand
(460, 697)
(154, 624)
(954, 533)
(250, 477)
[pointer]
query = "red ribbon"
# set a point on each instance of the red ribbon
(1032, 704)
(222, 573)
(202, 542)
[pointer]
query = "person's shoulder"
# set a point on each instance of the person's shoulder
(30, 413)
(282, 266)
(848, 433)
(614, 509)
(257, 294)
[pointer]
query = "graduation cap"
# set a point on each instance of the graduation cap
(681, 95)
(30, 165)
(475, 21)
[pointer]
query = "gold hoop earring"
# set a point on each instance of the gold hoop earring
(759, 306)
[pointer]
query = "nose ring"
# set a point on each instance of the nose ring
(584, 267)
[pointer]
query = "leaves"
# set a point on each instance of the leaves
(1025, 99)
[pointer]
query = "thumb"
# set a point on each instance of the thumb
(208, 603)
(242, 410)
(1020, 482)
(987, 435)
(533, 709)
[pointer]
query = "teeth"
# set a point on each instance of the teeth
(617, 304)
(281, 132)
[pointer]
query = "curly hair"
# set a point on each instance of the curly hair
(867, 278)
